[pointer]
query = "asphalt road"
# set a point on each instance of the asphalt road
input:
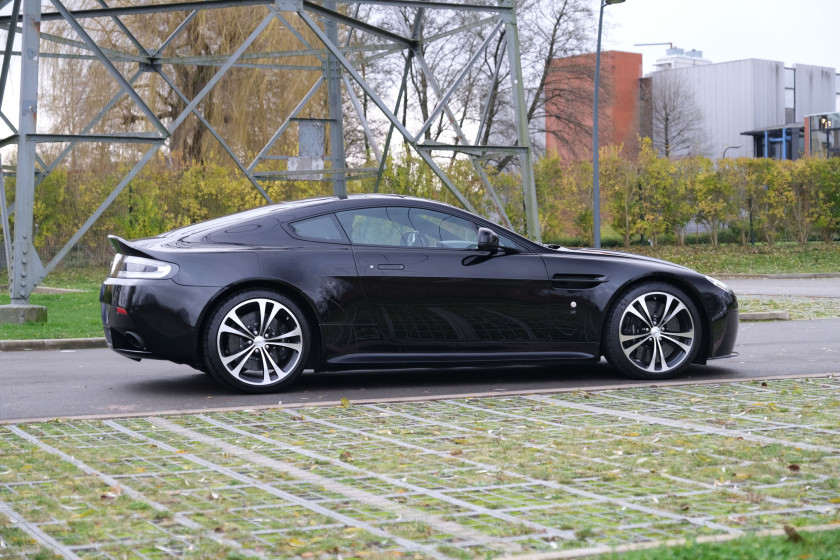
(99, 382)
(800, 287)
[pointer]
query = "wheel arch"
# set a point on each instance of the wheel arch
(298, 297)
(685, 286)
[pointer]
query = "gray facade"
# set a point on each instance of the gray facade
(815, 90)
(746, 95)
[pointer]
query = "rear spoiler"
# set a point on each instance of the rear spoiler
(123, 247)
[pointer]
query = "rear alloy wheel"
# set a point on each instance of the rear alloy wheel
(257, 341)
(652, 332)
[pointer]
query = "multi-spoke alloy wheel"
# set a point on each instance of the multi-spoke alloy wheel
(652, 332)
(258, 341)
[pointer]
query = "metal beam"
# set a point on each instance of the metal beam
(216, 4)
(221, 72)
(452, 88)
(102, 207)
(520, 113)
(26, 267)
(479, 170)
(333, 16)
(335, 73)
(332, 70)
(295, 112)
(147, 9)
(137, 138)
(4, 218)
(7, 53)
(216, 135)
(110, 67)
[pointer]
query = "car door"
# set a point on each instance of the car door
(430, 289)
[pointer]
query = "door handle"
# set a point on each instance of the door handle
(391, 267)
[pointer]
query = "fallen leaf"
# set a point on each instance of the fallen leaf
(793, 534)
(794, 468)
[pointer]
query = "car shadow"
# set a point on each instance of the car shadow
(406, 383)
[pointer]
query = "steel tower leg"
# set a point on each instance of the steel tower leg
(529, 189)
(333, 70)
(27, 270)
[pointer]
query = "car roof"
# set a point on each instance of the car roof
(298, 209)
(289, 210)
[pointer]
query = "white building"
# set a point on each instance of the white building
(758, 105)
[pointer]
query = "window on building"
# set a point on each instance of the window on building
(790, 95)
(837, 91)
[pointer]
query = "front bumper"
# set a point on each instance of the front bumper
(725, 331)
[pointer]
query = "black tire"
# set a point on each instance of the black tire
(257, 341)
(653, 331)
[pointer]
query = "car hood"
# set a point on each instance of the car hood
(619, 255)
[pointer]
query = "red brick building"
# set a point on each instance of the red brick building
(569, 95)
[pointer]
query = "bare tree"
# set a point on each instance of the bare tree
(556, 30)
(676, 119)
(548, 30)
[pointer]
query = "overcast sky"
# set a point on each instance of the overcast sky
(791, 31)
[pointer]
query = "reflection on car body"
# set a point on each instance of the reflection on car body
(389, 281)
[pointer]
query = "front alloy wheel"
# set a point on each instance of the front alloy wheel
(653, 332)
(258, 341)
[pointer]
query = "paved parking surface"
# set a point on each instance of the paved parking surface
(455, 478)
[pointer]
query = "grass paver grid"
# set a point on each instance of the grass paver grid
(461, 478)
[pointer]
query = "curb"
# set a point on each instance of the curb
(764, 316)
(52, 344)
(791, 276)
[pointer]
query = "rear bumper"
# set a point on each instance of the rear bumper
(156, 319)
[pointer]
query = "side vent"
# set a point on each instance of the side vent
(577, 281)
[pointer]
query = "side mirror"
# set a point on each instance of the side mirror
(487, 240)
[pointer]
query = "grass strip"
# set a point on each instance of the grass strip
(787, 543)
(530, 476)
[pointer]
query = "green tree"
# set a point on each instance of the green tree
(656, 180)
(770, 188)
(715, 199)
(824, 210)
(681, 206)
(620, 186)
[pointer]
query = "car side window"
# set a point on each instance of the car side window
(319, 228)
(370, 226)
(399, 226)
(442, 230)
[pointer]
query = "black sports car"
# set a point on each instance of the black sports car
(389, 281)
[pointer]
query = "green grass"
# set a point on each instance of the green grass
(69, 315)
(810, 546)
(783, 258)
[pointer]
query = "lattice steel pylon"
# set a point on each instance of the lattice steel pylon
(332, 22)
